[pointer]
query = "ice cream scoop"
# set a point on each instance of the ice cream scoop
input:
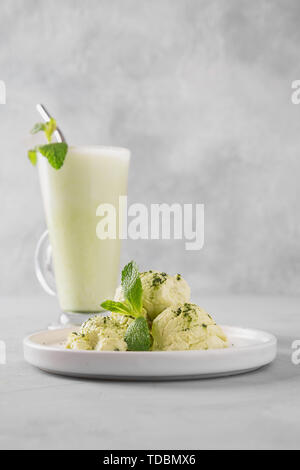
(186, 327)
(160, 291)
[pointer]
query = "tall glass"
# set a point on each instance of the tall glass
(86, 268)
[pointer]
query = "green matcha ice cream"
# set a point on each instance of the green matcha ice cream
(101, 333)
(173, 324)
(160, 291)
(186, 327)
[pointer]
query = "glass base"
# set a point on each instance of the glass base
(69, 319)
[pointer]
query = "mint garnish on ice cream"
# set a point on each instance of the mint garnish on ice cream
(132, 291)
(137, 335)
(54, 152)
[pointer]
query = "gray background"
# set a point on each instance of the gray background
(199, 91)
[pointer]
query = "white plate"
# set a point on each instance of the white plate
(251, 349)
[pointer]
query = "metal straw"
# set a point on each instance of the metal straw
(46, 116)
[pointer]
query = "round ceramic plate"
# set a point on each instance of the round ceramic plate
(249, 350)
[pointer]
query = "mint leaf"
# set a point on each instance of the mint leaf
(132, 290)
(39, 126)
(55, 153)
(138, 336)
(117, 307)
(32, 156)
(50, 127)
(132, 286)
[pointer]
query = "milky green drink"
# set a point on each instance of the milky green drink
(86, 268)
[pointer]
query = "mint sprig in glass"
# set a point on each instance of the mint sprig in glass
(54, 152)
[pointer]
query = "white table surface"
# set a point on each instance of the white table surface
(253, 411)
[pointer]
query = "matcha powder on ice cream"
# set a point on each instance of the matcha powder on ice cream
(151, 311)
